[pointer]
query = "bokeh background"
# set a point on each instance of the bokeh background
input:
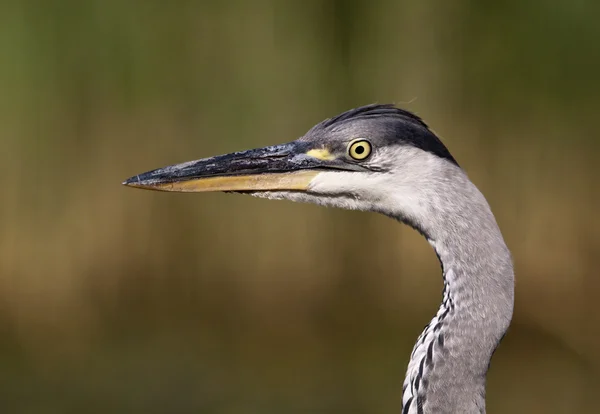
(122, 301)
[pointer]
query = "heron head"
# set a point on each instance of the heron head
(376, 157)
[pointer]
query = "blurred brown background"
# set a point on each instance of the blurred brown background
(123, 301)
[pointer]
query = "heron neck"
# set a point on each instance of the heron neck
(449, 363)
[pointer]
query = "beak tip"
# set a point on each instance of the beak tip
(130, 181)
(144, 182)
(134, 181)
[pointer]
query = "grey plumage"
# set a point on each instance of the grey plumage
(385, 123)
(406, 173)
(449, 363)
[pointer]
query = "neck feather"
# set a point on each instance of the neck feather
(449, 363)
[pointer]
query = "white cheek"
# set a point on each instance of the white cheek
(340, 189)
(335, 183)
(388, 193)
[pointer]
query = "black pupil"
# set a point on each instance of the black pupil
(359, 149)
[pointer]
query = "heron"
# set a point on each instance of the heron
(384, 159)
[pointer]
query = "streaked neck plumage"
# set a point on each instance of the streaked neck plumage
(448, 365)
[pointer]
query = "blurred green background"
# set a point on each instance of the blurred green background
(123, 301)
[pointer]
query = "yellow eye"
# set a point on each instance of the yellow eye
(359, 149)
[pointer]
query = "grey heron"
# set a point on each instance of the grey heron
(384, 159)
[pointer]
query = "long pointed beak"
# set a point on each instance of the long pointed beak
(282, 167)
